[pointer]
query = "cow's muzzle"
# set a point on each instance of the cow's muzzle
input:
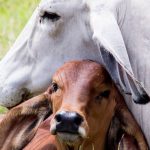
(68, 126)
(68, 122)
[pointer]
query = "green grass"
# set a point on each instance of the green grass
(3, 110)
(13, 16)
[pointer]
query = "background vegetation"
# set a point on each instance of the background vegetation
(13, 16)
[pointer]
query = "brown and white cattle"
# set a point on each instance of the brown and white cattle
(88, 113)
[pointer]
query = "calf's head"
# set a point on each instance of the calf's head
(80, 95)
(84, 102)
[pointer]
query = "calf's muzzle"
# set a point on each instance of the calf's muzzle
(68, 122)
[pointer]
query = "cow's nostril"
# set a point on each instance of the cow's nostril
(78, 120)
(69, 117)
(58, 118)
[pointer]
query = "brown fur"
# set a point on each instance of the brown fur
(20, 124)
(43, 140)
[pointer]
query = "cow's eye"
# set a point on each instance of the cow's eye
(54, 87)
(105, 94)
(51, 16)
(102, 95)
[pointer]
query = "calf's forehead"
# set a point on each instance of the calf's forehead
(79, 81)
(86, 71)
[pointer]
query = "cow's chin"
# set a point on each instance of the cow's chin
(69, 138)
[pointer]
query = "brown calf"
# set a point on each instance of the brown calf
(88, 113)
(85, 102)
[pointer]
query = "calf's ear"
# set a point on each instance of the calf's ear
(21, 123)
(124, 133)
(128, 142)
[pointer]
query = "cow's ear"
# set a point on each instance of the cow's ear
(124, 132)
(20, 124)
(107, 35)
(113, 53)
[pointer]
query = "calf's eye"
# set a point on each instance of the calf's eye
(105, 94)
(102, 95)
(54, 87)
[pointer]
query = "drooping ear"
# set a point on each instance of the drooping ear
(21, 123)
(118, 139)
(109, 40)
(124, 133)
(128, 142)
(43, 140)
(106, 33)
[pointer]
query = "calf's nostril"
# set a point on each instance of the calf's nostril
(69, 117)
(58, 118)
(78, 120)
(68, 122)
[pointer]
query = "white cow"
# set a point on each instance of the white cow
(113, 32)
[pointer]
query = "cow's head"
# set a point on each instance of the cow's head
(84, 103)
(80, 95)
(59, 31)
